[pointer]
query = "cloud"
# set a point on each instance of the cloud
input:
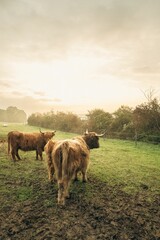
(152, 70)
(47, 30)
(50, 28)
(39, 93)
(123, 36)
(28, 104)
(57, 100)
(50, 100)
(31, 105)
(5, 84)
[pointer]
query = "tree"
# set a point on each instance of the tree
(68, 122)
(35, 119)
(99, 120)
(122, 119)
(13, 114)
(146, 117)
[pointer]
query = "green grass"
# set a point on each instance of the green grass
(117, 163)
(19, 127)
(131, 167)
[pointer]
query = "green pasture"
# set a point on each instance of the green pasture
(132, 168)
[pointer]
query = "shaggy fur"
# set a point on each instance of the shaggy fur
(27, 142)
(66, 158)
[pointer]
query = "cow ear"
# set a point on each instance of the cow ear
(54, 131)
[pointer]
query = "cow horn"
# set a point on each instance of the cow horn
(101, 135)
(86, 132)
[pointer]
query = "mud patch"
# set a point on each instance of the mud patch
(94, 211)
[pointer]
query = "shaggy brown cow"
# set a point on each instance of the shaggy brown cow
(67, 157)
(27, 142)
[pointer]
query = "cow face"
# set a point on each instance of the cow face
(47, 135)
(92, 140)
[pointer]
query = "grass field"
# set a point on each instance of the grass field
(116, 161)
(117, 166)
(131, 167)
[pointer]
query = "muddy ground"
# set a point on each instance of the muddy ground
(94, 211)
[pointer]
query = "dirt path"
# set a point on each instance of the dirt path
(109, 214)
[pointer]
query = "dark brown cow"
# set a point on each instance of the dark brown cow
(27, 142)
(67, 157)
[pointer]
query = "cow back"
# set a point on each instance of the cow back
(29, 141)
(69, 156)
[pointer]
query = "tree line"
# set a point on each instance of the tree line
(142, 122)
(13, 114)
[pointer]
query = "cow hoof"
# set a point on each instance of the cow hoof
(75, 180)
(61, 203)
(84, 181)
(68, 195)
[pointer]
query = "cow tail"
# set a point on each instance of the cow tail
(65, 160)
(61, 161)
(48, 150)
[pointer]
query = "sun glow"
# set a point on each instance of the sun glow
(83, 77)
(67, 79)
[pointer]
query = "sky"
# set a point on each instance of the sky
(77, 56)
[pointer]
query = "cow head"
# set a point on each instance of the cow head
(49, 135)
(92, 139)
(46, 136)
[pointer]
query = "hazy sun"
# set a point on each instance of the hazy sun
(76, 79)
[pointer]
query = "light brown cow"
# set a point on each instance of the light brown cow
(67, 157)
(27, 142)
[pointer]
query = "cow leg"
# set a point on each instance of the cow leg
(75, 176)
(13, 155)
(17, 154)
(41, 156)
(50, 172)
(84, 175)
(36, 155)
(61, 193)
(67, 185)
(39, 152)
(51, 169)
